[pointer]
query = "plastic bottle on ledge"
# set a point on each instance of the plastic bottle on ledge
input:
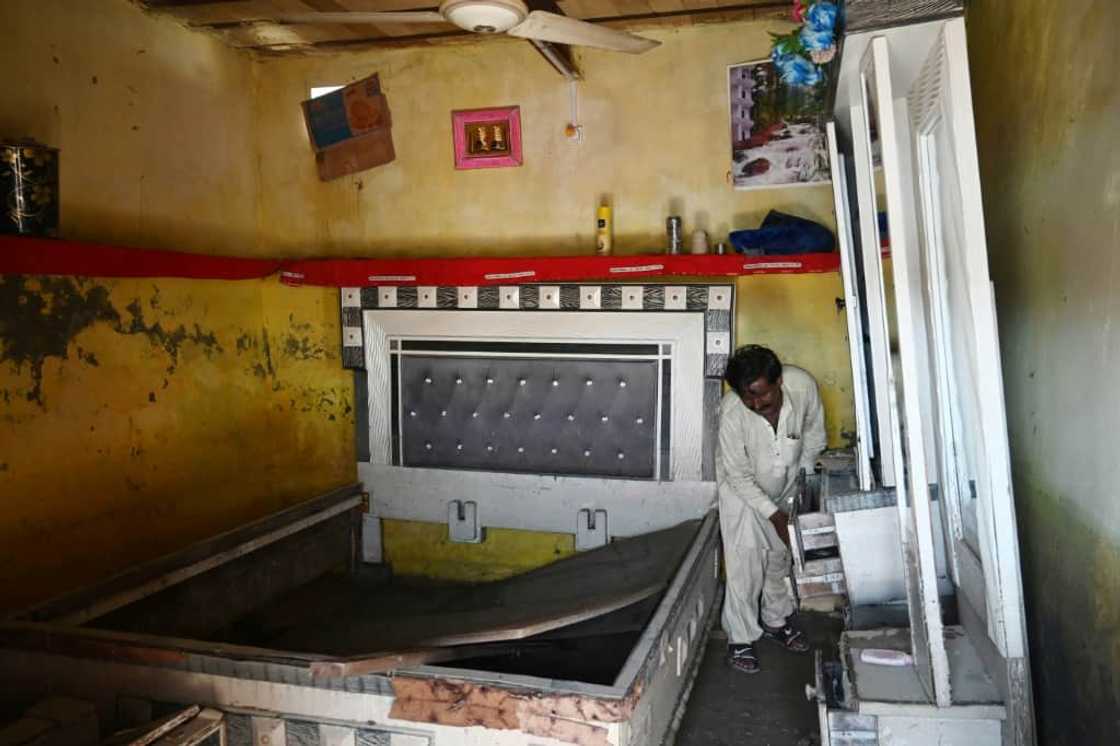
(604, 240)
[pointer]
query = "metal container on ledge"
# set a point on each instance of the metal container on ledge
(674, 235)
(28, 189)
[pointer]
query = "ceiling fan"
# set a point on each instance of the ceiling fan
(512, 17)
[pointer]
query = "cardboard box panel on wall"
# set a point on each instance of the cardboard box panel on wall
(358, 154)
(351, 111)
(350, 129)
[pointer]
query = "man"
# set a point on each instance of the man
(771, 426)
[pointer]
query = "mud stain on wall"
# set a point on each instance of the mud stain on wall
(137, 416)
(40, 317)
(300, 341)
(171, 340)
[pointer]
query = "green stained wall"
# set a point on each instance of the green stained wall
(1046, 88)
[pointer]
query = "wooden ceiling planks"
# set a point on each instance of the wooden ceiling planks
(251, 25)
(210, 13)
(263, 34)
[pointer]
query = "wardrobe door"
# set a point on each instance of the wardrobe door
(973, 460)
(885, 128)
(865, 157)
(853, 304)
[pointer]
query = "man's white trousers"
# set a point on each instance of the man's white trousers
(757, 564)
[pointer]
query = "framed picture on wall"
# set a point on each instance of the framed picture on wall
(487, 138)
(777, 131)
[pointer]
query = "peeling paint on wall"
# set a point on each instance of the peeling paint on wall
(171, 341)
(41, 316)
(301, 342)
(137, 416)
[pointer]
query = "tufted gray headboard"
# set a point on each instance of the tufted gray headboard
(533, 404)
(580, 409)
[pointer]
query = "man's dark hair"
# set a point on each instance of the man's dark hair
(749, 363)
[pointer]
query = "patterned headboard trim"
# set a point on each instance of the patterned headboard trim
(714, 301)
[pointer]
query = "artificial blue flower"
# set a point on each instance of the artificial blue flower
(795, 70)
(822, 16)
(815, 39)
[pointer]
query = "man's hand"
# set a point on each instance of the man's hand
(781, 525)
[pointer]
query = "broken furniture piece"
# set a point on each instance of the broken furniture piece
(254, 622)
(929, 399)
(190, 726)
(816, 570)
(583, 409)
(266, 625)
(848, 548)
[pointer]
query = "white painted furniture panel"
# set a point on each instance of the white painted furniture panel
(947, 409)
(534, 502)
(918, 556)
(853, 309)
(975, 460)
(683, 331)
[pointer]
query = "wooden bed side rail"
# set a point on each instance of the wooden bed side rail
(134, 647)
(140, 581)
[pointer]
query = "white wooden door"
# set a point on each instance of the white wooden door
(973, 466)
(852, 306)
(907, 394)
(870, 260)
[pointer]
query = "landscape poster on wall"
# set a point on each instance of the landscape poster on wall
(777, 130)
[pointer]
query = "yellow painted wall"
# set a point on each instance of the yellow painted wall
(657, 142)
(418, 548)
(797, 316)
(154, 123)
(167, 411)
(171, 140)
(139, 415)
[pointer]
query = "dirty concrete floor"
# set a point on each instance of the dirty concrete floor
(764, 709)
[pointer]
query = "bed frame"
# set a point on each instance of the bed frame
(51, 649)
(582, 409)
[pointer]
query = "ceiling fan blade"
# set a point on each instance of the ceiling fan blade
(546, 26)
(400, 16)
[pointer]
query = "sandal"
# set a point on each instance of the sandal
(743, 658)
(791, 639)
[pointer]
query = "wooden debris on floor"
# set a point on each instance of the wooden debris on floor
(192, 726)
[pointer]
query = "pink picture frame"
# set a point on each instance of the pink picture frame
(487, 138)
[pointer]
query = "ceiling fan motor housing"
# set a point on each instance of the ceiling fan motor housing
(484, 16)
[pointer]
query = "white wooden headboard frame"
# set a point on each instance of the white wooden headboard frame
(691, 323)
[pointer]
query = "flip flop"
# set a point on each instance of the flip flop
(790, 638)
(743, 658)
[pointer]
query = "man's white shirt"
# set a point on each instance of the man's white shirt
(757, 463)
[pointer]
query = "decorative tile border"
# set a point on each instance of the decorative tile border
(715, 301)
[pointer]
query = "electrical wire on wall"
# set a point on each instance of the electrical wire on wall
(574, 130)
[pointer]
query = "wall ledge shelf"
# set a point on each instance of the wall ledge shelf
(38, 256)
(470, 271)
